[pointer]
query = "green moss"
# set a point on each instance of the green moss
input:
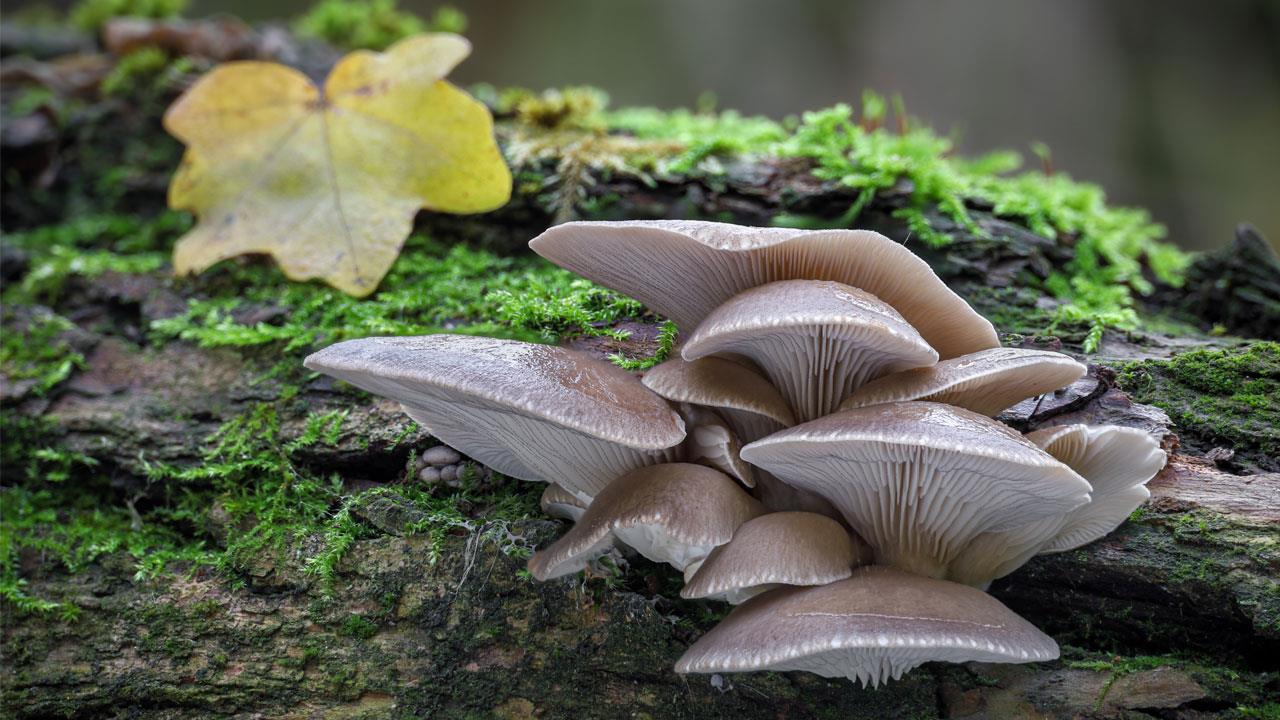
(429, 289)
(357, 626)
(1112, 245)
(143, 75)
(372, 24)
(91, 15)
(1217, 397)
(703, 135)
(40, 353)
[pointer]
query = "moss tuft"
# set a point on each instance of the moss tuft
(1217, 397)
(372, 24)
(91, 15)
(1112, 246)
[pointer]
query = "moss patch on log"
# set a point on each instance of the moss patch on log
(1217, 398)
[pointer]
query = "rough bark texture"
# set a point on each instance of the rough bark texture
(1176, 614)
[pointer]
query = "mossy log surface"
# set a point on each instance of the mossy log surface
(1192, 579)
(1176, 614)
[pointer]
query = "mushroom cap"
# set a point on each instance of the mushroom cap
(816, 340)
(781, 548)
(535, 412)
(677, 513)
(560, 503)
(1117, 461)
(728, 386)
(876, 625)
(919, 480)
(987, 381)
(709, 440)
(692, 267)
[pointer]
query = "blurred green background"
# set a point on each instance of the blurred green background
(1171, 105)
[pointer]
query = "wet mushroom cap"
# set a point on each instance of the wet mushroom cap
(560, 503)
(986, 382)
(534, 412)
(1117, 461)
(710, 441)
(816, 340)
(918, 480)
(748, 402)
(781, 548)
(680, 510)
(874, 626)
(692, 267)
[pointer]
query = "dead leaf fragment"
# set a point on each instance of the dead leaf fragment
(328, 182)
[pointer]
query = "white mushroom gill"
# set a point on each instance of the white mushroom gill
(1117, 461)
(920, 480)
(816, 340)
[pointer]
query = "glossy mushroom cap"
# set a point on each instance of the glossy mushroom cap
(751, 405)
(693, 267)
(533, 412)
(710, 441)
(674, 513)
(781, 548)
(1117, 462)
(874, 626)
(919, 480)
(985, 382)
(816, 340)
(560, 503)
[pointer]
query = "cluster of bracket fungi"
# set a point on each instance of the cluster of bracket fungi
(821, 452)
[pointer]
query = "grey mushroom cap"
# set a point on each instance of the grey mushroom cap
(781, 548)
(674, 513)
(1117, 462)
(710, 441)
(816, 340)
(987, 381)
(692, 267)
(560, 503)
(919, 480)
(751, 405)
(874, 626)
(534, 412)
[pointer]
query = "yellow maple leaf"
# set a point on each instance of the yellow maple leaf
(328, 182)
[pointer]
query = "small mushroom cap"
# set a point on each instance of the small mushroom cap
(919, 480)
(535, 412)
(560, 503)
(693, 267)
(709, 440)
(816, 340)
(678, 512)
(987, 381)
(781, 548)
(876, 625)
(743, 397)
(1117, 461)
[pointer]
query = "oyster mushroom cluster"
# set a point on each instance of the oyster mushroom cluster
(821, 452)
